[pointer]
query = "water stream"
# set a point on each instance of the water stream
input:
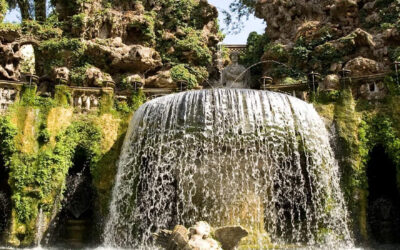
(228, 156)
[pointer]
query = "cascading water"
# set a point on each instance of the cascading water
(227, 156)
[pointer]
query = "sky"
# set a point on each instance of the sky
(253, 24)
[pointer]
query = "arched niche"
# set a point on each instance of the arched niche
(75, 222)
(383, 213)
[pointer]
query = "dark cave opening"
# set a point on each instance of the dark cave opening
(74, 225)
(5, 199)
(133, 35)
(383, 202)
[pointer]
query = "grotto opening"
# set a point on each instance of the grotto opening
(383, 200)
(75, 225)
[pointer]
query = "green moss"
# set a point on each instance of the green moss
(62, 95)
(106, 102)
(328, 96)
(28, 95)
(37, 179)
(138, 98)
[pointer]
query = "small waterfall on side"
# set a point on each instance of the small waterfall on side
(227, 156)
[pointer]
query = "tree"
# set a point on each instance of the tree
(3, 9)
(241, 9)
(30, 8)
(40, 10)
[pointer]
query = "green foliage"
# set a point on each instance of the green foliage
(138, 98)
(47, 30)
(380, 130)
(181, 73)
(242, 10)
(255, 49)
(44, 136)
(34, 178)
(28, 97)
(106, 102)
(277, 51)
(78, 21)
(62, 95)
(7, 133)
(69, 52)
(177, 13)
(3, 9)
(328, 96)
(327, 53)
(78, 74)
(194, 48)
(147, 27)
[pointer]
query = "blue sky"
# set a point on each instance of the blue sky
(253, 24)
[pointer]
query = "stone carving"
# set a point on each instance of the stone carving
(235, 75)
(10, 57)
(61, 75)
(7, 97)
(331, 82)
(94, 77)
(198, 237)
(86, 102)
(373, 90)
(162, 79)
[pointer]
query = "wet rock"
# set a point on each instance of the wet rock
(230, 236)
(199, 237)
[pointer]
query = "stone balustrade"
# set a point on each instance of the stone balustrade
(9, 94)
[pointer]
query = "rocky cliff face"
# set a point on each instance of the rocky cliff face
(329, 35)
(87, 43)
(144, 39)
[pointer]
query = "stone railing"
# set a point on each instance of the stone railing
(88, 98)
(9, 94)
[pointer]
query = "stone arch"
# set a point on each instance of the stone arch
(75, 220)
(384, 197)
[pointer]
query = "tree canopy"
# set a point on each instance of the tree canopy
(241, 9)
(29, 9)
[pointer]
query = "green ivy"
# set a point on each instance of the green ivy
(181, 73)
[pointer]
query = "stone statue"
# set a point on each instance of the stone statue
(235, 75)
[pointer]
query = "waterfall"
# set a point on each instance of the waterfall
(230, 157)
